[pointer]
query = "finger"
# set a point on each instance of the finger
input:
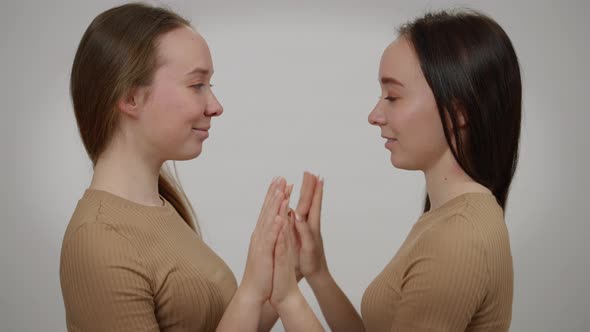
(293, 219)
(273, 234)
(273, 207)
(288, 191)
(281, 185)
(306, 194)
(289, 245)
(272, 228)
(284, 210)
(315, 211)
(290, 248)
(277, 184)
(281, 247)
(304, 232)
(268, 197)
(291, 241)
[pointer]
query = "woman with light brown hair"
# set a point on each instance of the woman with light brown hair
(132, 256)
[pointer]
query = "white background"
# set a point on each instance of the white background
(297, 82)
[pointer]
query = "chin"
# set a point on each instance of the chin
(195, 154)
(401, 164)
(190, 154)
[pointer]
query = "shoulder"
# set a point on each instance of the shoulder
(453, 238)
(86, 220)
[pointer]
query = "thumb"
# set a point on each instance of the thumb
(306, 194)
(316, 207)
(305, 235)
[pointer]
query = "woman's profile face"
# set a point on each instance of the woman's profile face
(406, 112)
(180, 105)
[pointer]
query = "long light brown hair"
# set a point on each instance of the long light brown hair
(116, 54)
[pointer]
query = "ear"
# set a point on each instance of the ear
(131, 102)
(462, 120)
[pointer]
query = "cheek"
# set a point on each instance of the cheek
(174, 110)
(167, 123)
(428, 124)
(420, 134)
(430, 141)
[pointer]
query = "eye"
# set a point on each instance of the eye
(200, 86)
(391, 99)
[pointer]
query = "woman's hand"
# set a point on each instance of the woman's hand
(284, 280)
(286, 297)
(311, 256)
(258, 275)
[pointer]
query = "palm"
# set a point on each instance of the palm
(309, 252)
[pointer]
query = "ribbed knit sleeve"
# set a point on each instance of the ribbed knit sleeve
(452, 273)
(104, 282)
(445, 281)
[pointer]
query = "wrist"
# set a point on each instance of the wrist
(319, 278)
(249, 297)
(291, 303)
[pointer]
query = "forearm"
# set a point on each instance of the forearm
(269, 315)
(296, 315)
(242, 314)
(340, 314)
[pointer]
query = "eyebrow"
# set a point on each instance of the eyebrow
(199, 71)
(385, 80)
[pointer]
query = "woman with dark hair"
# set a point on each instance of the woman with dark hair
(450, 108)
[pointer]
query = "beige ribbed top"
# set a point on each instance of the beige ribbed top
(131, 267)
(452, 273)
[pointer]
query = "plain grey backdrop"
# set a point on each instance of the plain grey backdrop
(297, 80)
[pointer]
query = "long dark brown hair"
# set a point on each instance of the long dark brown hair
(472, 69)
(118, 52)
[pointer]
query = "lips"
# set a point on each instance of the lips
(203, 132)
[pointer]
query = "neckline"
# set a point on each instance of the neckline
(121, 202)
(456, 201)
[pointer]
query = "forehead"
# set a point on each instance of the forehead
(400, 61)
(183, 49)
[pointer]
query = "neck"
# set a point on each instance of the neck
(122, 171)
(447, 180)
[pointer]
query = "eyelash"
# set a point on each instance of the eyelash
(390, 99)
(201, 85)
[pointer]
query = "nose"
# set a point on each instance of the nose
(376, 117)
(214, 108)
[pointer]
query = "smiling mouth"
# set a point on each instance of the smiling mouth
(201, 132)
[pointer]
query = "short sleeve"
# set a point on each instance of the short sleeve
(104, 284)
(445, 280)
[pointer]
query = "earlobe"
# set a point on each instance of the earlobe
(128, 104)
(462, 119)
